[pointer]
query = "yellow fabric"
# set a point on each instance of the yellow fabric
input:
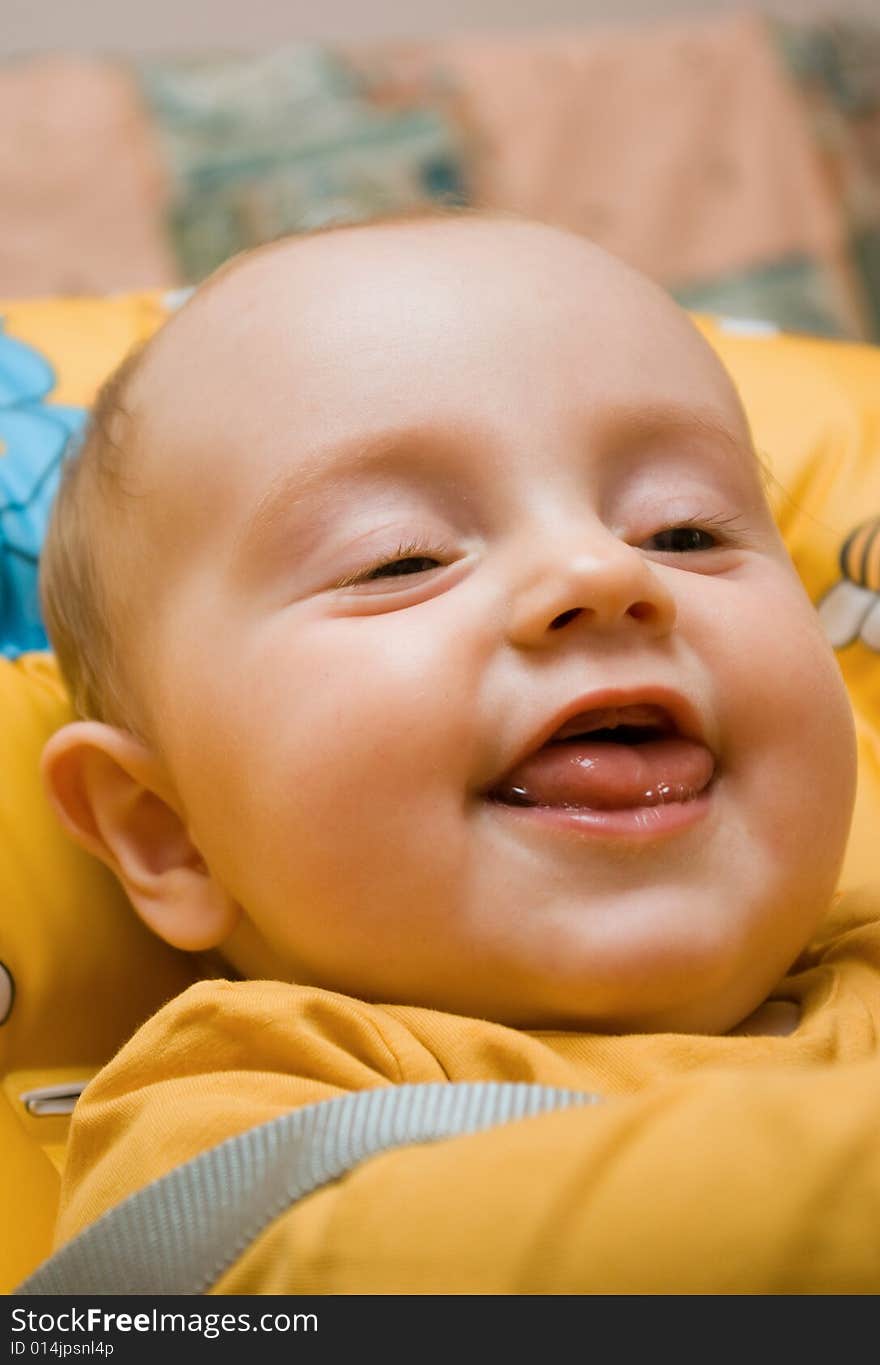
(736, 1164)
(83, 339)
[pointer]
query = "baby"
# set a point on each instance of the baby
(441, 665)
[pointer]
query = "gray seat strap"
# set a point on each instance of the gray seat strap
(179, 1234)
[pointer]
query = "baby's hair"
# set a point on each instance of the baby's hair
(79, 611)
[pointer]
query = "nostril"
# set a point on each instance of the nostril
(564, 618)
(642, 611)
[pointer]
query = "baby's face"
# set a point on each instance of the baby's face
(480, 672)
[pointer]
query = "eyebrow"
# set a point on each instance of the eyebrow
(659, 421)
(386, 450)
(393, 448)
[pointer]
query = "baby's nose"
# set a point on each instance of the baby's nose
(606, 589)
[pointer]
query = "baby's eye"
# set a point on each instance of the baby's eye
(396, 568)
(408, 561)
(682, 540)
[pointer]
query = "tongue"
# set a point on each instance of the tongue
(609, 776)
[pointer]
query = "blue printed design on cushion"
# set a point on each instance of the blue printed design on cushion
(34, 437)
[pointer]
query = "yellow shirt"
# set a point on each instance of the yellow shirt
(740, 1164)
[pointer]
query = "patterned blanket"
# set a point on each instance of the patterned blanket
(735, 159)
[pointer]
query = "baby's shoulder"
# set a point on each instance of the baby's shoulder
(270, 1027)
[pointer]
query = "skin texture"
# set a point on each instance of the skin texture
(518, 416)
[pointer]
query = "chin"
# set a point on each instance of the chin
(648, 989)
(686, 1016)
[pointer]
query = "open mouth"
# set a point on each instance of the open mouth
(611, 758)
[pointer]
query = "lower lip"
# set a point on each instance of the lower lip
(634, 824)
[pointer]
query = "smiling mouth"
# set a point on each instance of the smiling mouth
(614, 758)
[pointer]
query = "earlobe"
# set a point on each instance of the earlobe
(113, 798)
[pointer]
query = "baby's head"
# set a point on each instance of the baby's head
(448, 653)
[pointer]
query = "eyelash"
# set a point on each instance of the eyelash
(728, 526)
(416, 549)
(409, 550)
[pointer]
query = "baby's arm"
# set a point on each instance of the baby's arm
(753, 1179)
(717, 1182)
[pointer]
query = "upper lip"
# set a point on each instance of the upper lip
(676, 715)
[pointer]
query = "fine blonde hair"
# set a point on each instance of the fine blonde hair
(81, 614)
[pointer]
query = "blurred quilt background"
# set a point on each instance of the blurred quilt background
(735, 159)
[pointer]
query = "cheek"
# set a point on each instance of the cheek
(336, 738)
(330, 799)
(787, 721)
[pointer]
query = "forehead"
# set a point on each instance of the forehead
(341, 336)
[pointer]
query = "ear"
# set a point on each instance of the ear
(114, 799)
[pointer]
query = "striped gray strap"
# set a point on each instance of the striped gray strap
(179, 1234)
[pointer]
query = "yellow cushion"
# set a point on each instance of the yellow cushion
(83, 339)
(81, 970)
(86, 973)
